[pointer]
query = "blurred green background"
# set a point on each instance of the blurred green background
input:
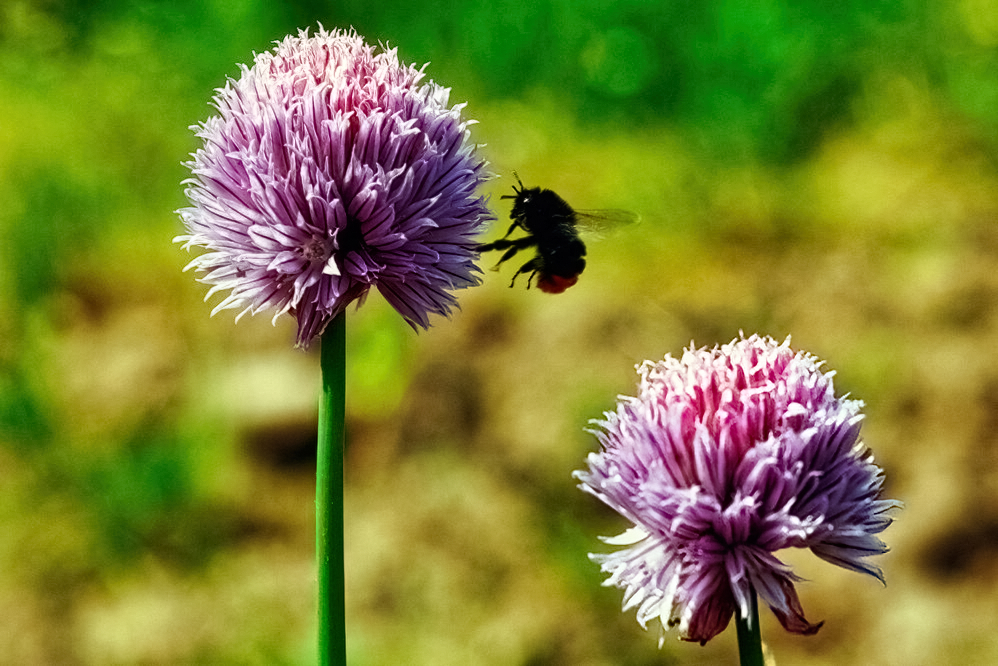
(821, 169)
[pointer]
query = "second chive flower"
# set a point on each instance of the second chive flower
(724, 457)
(329, 170)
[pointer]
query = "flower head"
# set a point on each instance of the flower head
(725, 457)
(330, 169)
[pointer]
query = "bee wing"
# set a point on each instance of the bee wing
(600, 222)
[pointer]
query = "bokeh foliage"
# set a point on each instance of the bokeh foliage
(821, 169)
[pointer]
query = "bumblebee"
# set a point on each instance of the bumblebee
(552, 229)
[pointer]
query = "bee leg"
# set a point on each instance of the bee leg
(503, 243)
(532, 267)
(511, 247)
(508, 255)
(516, 223)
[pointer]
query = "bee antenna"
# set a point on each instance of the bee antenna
(515, 188)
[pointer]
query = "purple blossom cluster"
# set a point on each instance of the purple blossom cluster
(724, 457)
(331, 168)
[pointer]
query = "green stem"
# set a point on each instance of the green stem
(749, 636)
(329, 496)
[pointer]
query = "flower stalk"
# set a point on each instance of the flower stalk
(749, 635)
(329, 496)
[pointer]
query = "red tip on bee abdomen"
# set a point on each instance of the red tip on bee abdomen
(556, 284)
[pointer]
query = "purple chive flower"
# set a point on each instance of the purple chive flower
(725, 457)
(331, 169)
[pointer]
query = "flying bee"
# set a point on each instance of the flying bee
(552, 227)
